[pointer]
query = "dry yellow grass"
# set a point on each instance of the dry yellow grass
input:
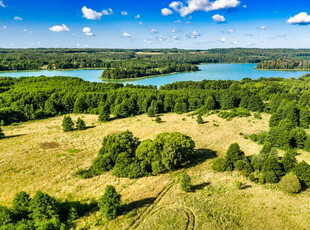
(45, 158)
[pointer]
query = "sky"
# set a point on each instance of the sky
(188, 24)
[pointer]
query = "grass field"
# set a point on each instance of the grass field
(40, 156)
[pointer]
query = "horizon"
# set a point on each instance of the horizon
(193, 24)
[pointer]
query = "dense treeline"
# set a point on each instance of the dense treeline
(147, 69)
(288, 100)
(36, 59)
(284, 64)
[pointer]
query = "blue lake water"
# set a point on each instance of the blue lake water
(208, 71)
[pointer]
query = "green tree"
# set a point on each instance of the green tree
(185, 183)
(67, 124)
(210, 103)
(80, 124)
(233, 154)
(199, 119)
(219, 164)
(104, 113)
(21, 205)
(290, 183)
(109, 203)
(1, 133)
(302, 171)
(5, 216)
(151, 112)
(289, 160)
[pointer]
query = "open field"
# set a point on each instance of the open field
(40, 156)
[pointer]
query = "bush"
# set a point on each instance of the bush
(270, 177)
(219, 165)
(80, 124)
(290, 183)
(1, 133)
(158, 120)
(240, 165)
(67, 124)
(289, 160)
(151, 112)
(234, 154)
(21, 205)
(199, 119)
(302, 171)
(104, 113)
(185, 183)
(239, 185)
(109, 203)
(5, 216)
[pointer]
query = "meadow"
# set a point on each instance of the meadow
(38, 155)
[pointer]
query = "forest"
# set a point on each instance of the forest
(37, 59)
(284, 64)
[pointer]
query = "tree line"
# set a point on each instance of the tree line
(284, 64)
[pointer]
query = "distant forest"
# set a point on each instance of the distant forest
(284, 64)
(36, 59)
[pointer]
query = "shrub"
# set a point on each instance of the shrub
(104, 113)
(239, 185)
(158, 120)
(199, 119)
(80, 124)
(219, 165)
(151, 112)
(302, 171)
(289, 160)
(21, 205)
(257, 116)
(101, 164)
(234, 154)
(290, 183)
(109, 203)
(5, 216)
(240, 165)
(67, 124)
(185, 183)
(270, 177)
(1, 133)
(273, 168)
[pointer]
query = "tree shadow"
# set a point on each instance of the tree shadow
(246, 186)
(200, 156)
(126, 208)
(201, 186)
(90, 127)
(19, 135)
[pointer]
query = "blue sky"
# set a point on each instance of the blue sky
(191, 24)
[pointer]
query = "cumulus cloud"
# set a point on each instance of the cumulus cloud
(230, 31)
(2, 4)
(87, 31)
(91, 14)
(141, 23)
(262, 27)
(175, 38)
(218, 18)
(202, 5)
(300, 19)
(107, 12)
(62, 28)
(194, 34)
(235, 42)
(124, 13)
(166, 12)
(138, 16)
(127, 35)
(16, 18)
(154, 31)
(223, 39)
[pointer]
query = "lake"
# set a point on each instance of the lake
(208, 71)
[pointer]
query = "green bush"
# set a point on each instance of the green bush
(199, 119)
(21, 205)
(80, 124)
(109, 203)
(270, 177)
(240, 165)
(239, 185)
(185, 183)
(219, 165)
(158, 120)
(290, 183)
(234, 154)
(289, 160)
(5, 216)
(1, 133)
(67, 124)
(302, 171)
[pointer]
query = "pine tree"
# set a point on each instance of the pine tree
(80, 124)
(185, 183)
(199, 119)
(67, 124)
(109, 203)
(1, 133)
(104, 113)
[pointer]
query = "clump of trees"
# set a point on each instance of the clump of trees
(41, 212)
(68, 124)
(284, 64)
(109, 203)
(267, 167)
(126, 156)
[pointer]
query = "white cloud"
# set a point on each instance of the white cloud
(244, 6)
(140, 23)
(2, 4)
(107, 12)
(147, 42)
(61, 28)
(25, 30)
(175, 38)
(194, 34)
(16, 18)
(235, 42)
(204, 5)
(166, 12)
(138, 16)
(218, 18)
(262, 27)
(223, 39)
(177, 21)
(174, 30)
(91, 14)
(127, 35)
(230, 31)
(300, 19)
(124, 13)
(154, 31)
(87, 31)
(4, 27)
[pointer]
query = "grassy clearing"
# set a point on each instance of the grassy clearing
(40, 156)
